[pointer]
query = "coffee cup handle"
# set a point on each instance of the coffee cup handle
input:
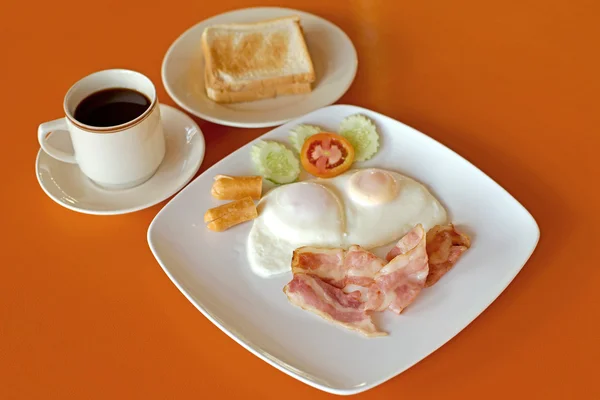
(52, 126)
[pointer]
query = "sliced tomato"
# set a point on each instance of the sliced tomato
(326, 155)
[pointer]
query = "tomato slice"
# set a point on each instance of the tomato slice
(326, 155)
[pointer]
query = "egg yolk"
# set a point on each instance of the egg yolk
(307, 202)
(373, 186)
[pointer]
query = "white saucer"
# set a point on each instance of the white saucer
(68, 186)
(333, 54)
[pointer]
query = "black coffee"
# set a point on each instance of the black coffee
(110, 107)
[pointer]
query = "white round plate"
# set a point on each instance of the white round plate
(332, 52)
(68, 186)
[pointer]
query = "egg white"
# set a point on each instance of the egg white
(367, 207)
(372, 223)
(291, 216)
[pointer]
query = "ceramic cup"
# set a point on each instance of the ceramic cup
(115, 157)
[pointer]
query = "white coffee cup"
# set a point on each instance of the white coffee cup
(115, 157)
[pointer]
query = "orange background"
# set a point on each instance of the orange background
(87, 313)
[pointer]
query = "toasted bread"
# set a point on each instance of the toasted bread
(260, 59)
(265, 92)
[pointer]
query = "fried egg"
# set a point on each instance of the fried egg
(382, 206)
(290, 216)
(368, 207)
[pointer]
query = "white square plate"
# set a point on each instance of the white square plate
(211, 269)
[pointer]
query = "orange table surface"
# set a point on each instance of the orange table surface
(87, 313)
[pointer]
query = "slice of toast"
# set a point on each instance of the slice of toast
(255, 56)
(265, 92)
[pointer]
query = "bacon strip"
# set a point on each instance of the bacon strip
(445, 245)
(313, 294)
(344, 287)
(401, 280)
(406, 243)
(327, 264)
(349, 270)
(361, 266)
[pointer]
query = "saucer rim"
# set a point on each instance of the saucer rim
(143, 206)
(234, 123)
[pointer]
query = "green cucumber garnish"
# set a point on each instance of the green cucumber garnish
(275, 162)
(300, 133)
(362, 135)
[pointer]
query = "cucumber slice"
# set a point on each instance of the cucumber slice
(275, 162)
(362, 135)
(300, 133)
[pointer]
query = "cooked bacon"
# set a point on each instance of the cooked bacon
(327, 264)
(349, 270)
(445, 245)
(406, 243)
(311, 293)
(399, 282)
(345, 286)
(361, 266)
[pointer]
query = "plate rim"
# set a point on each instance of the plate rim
(279, 365)
(122, 211)
(235, 124)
